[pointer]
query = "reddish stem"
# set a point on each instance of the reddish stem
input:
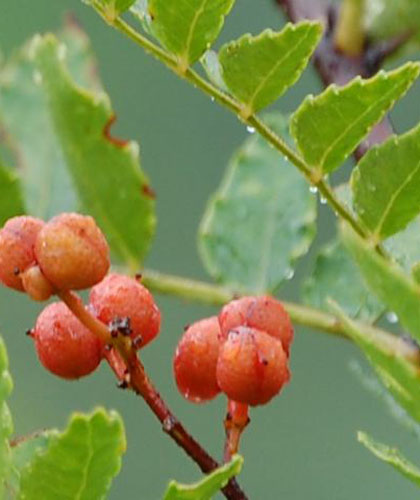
(236, 421)
(123, 360)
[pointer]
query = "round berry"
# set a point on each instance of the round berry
(35, 284)
(252, 366)
(263, 313)
(72, 252)
(17, 241)
(118, 298)
(196, 359)
(65, 347)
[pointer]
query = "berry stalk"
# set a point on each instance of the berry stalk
(135, 378)
(236, 421)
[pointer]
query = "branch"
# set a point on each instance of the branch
(125, 363)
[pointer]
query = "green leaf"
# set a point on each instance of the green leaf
(405, 245)
(259, 69)
(392, 457)
(23, 452)
(328, 128)
(391, 361)
(6, 424)
(207, 487)
(113, 8)
(187, 28)
(105, 171)
(78, 463)
(385, 185)
(11, 202)
(260, 221)
(211, 64)
(387, 281)
(336, 276)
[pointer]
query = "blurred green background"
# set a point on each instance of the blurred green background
(303, 445)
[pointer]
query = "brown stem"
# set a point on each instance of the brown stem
(125, 363)
(235, 423)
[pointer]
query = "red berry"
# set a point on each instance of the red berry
(252, 366)
(17, 241)
(66, 347)
(196, 359)
(118, 297)
(72, 252)
(263, 313)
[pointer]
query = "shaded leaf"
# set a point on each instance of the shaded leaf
(385, 185)
(392, 457)
(187, 28)
(260, 220)
(78, 463)
(329, 127)
(259, 69)
(141, 12)
(105, 170)
(336, 276)
(6, 424)
(208, 486)
(113, 8)
(211, 64)
(405, 245)
(386, 280)
(393, 362)
(11, 202)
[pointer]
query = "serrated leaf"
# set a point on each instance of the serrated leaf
(261, 219)
(385, 185)
(329, 127)
(78, 463)
(11, 202)
(397, 372)
(187, 28)
(259, 69)
(6, 424)
(336, 276)
(386, 280)
(105, 171)
(392, 457)
(208, 486)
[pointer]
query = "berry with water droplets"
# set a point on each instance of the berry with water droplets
(17, 241)
(196, 359)
(72, 252)
(252, 366)
(64, 345)
(120, 300)
(263, 313)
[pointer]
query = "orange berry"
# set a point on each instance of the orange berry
(64, 345)
(36, 284)
(252, 366)
(72, 252)
(196, 359)
(118, 297)
(17, 241)
(263, 313)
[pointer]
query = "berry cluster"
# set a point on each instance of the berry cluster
(70, 253)
(243, 352)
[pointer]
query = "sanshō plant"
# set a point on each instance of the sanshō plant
(78, 218)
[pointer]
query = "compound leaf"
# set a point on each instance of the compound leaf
(328, 128)
(187, 28)
(259, 69)
(385, 185)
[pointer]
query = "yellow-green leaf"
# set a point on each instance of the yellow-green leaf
(259, 69)
(6, 424)
(329, 127)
